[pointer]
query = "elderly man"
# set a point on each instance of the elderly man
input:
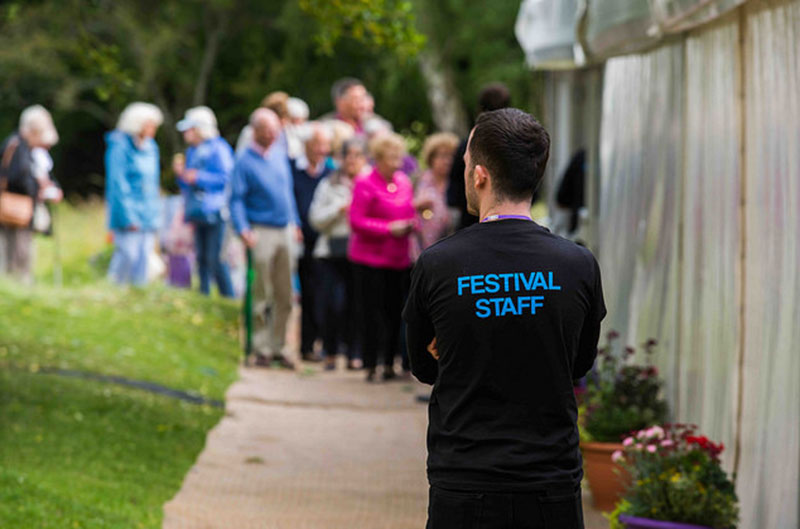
(25, 172)
(308, 171)
(350, 102)
(265, 215)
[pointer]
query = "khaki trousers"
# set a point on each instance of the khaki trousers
(16, 253)
(272, 290)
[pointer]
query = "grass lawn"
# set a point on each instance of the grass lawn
(78, 453)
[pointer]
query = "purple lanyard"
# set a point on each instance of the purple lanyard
(504, 217)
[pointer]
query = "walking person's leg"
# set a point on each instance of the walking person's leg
(282, 289)
(309, 331)
(221, 273)
(202, 246)
(143, 242)
(263, 296)
(5, 249)
(120, 270)
(22, 255)
(369, 299)
(394, 298)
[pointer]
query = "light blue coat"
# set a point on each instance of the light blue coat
(132, 182)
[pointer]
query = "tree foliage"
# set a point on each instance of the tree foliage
(86, 59)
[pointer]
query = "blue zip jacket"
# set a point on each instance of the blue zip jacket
(262, 190)
(205, 198)
(132, 182)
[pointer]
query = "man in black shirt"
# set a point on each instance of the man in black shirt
(501, 318)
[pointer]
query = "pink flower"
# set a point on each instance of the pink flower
(628, 441)
(651, 449)
(667, 442)
(617, 456)
(655, 432)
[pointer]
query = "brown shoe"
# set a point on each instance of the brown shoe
(262, 360)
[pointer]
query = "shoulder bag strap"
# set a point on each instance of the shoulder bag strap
(8, 155)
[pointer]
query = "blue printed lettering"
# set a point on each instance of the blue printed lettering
(539, 281)
(505, 278)
(476, 284)
(536, 303)
(492, 284)
(552, 286)
(508, 306)
(462, 284)
(483, 308)
(527, 280)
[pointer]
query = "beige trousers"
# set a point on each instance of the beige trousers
(272, 290)
(16, 253)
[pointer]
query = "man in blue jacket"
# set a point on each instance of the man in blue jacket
(265, 215)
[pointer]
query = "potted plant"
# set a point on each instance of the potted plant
(620, 397)
(676, 482)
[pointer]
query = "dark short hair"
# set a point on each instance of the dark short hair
(341, 87)
(494, 96)
(514, 148)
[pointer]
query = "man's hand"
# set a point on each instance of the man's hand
(132, 227)
(249, 238)
(433, 349)
(298, 234)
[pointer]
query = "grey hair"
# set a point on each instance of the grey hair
(341, 87)
(38, 120)
(136, 115)
(308, 130)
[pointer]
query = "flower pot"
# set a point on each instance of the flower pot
(607, 480)
(632, 522)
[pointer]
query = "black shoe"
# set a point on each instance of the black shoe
(311, 357)
(370, 374)
(388, 373)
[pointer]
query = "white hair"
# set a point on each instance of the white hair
(136, 115)
(307, 131)
(298, 109)
(37, 120)
(203, 120)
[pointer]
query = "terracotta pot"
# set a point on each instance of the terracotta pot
(607, 480)
(632, 522)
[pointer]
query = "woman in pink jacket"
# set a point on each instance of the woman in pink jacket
(382, 219)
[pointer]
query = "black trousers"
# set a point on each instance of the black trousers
(336, 302)
(380, 294)
(553, 509)
(308, 272)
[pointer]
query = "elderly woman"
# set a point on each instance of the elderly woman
(132, 191)
(382, 219)
(431, 194)
(203, 179)
(25, 174)
(329, 216)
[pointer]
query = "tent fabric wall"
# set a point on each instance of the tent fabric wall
(546, 30)
(711, 275)
(769, 486)
(701, 250)
(638, 218)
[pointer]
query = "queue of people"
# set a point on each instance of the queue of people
(336, 202)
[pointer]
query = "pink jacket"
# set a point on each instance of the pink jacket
(376, 204)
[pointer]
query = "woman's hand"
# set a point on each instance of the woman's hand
(401, 228)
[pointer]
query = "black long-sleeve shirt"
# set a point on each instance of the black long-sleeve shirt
(516, 312)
